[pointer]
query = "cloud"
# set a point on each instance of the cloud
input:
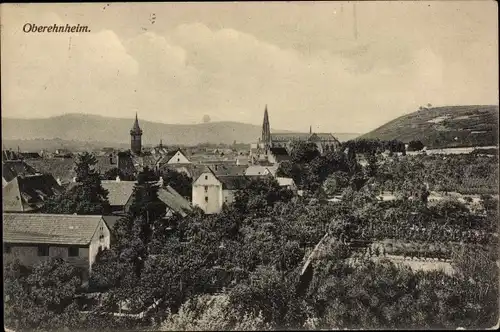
(177, 75)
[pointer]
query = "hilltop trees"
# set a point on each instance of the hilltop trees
(415, 146)
(86, 196)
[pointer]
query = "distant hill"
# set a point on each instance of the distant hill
(73, 129)
(442, 127)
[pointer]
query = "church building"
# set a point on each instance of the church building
(269, 142)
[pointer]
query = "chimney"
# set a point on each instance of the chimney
(118, 178)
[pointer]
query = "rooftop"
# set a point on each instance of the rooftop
(27, 193)
(174, 200)
(231, 182)
(119, 192)
(49, 228)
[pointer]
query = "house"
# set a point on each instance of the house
(175, 157)
(211, 192)
(277, 155)
(13, 168)
(119, 194)
(121, 160)
(224, 169)
(63, 153)
(28, 193)
(175, 203)
(256, 170)
(32, 238)
(287, 183)
(62, 169)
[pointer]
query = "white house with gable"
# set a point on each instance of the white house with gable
(177, 157)
(210, 191)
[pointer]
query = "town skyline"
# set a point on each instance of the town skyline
(331, 65)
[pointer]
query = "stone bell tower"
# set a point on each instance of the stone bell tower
(136, 137)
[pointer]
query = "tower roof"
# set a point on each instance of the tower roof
(136, 129)
(266, 130)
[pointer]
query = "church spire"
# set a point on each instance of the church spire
(266, 130)
(310, 130)
(135, 137)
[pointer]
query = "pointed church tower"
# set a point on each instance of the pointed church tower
(266, 131)
(136, 137)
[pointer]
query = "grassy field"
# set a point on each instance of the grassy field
(444, 127)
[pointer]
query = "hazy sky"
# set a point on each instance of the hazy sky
(331, 65)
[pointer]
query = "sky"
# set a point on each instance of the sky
(335, 66)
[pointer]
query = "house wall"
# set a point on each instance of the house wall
(178, 158)
(27, 254)
(101, 239)
(213, 191)
(228, 196)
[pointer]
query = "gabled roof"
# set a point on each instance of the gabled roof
(58, 167)
(198, 170)
(174, 200)
(9, 155)
(326, 136)
(230, 182)
(119, 192)
(260, 170)
(13, 168)
(286, 137)
(28, 193)
(49, 228)
(280, 154)
(234, 170)
(111, 221)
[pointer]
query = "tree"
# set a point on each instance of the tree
(115, 172)
(303, 152)
(87, 196)
(335, 182)
(259, 193)
(179, 181)
(43, 298)
(415, 146)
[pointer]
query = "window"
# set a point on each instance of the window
(225, 199)
(6, 249)
(206, 188)
(43, 250)
(178, 159)
(206, 199)
(206, 177)
(73, 251)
